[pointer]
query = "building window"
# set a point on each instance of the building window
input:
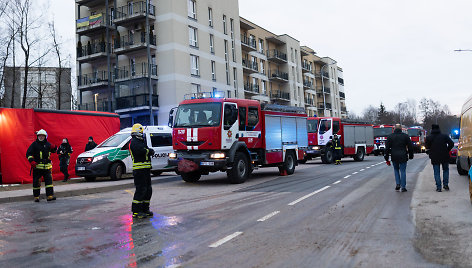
(210, 17)
(192, 35)
(233, 51)
(291, 54)
(231, 25)
(228, 78)
(235, 75)
(194, 65)
(195, 88)
(263, 87)
(225, 31)
(296, 56)
(226, 50)
(212, 44)
(213, 70)
(261, 46)
(263, 67)
(192, 9)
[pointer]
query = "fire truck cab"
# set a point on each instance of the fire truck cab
(381, 133)
(236, 136)
(417, 137)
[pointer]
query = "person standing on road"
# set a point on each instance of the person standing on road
(90, 145)
(141, 156)
(438, 146)
(337, 149)
(399, 146)
(38, 154)
(64, 151)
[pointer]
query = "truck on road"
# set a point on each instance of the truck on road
(236, 136)
(381, 133)
(357, 138)
(417, 137)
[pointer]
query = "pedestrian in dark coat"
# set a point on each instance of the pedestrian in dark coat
(400, 148)
(438, 146)
(64, 151)
(90, 145)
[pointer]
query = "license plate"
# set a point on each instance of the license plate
(80, 168)
(207, 163)
(310, 152)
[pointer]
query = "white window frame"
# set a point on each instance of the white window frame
(196, 88)
(212, 44)
(192, 9)
(210, 17)
(225, 31)
(213, 70)
(193, 36)
(261, 46)
(194, 65)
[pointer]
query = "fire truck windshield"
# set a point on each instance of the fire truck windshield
(414, 132)
(383, 132)
(198, 115)
(312, 126)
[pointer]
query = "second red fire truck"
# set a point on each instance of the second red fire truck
(418, 137)
(381, 133)
(357, 138)
(235, 135)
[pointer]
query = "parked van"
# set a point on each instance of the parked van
(112, 158)
(464, 155)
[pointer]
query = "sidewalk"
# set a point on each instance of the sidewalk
(443, 220)
(78, 188)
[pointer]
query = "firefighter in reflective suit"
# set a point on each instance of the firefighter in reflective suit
(141, 156)
(337, 149)
(38, 155)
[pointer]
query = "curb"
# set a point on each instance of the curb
(85, 191)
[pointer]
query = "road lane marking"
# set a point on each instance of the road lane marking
(129, 192)
(224, 240)
(361, 170)
(367, 167)
(308, 195)
(347, 176)
(336, 182)
(354, 173)
(268, 216)
(373, 165)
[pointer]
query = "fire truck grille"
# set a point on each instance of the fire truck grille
(193, 143)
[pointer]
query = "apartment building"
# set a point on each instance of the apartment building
(271, 66)
(141, 57)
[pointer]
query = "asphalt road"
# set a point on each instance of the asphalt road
(322, 216)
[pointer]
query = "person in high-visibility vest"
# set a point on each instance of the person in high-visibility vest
(337, 149)
(141, 155)
(39, 157)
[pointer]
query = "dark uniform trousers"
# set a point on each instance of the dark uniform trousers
(37, 175)
(63, 165)
(143, 193)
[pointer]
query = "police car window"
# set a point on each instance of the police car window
(335, 127)
(325, 125)
(115, 140)
(252, 117)
(242, 118)
(161, 139)
(126, 146)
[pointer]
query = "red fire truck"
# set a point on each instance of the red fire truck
(357, 138)
(418, 137)
(380, 137)
(236, 136)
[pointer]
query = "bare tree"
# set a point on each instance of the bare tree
(370, 114)
(60, 63)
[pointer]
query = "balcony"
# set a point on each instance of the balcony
(276, 56)
(129, 43)
(140, 70)
(100, 106)
(307, 85)
(341, 81)
(250, 67)
(251, 88)
(134, 101)
(92, 25)
(325, 75)
(343, 109)
(342, 95)
(319, 90)
(90, 3)
(93, 51)
(279, 95)
(133, 13)
(306, 68)
(278, 76)
(248, 44)
(309, 101)
(94, 80)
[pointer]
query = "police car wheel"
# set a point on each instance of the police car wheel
(116, 171)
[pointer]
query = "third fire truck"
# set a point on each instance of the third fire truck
(381, 133)
(236, 135)
(357, 138)
(418, 137)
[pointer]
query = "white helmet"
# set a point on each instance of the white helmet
(42, 132)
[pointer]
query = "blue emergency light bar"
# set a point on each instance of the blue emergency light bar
(205, 95)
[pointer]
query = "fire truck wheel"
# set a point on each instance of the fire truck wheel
(90, 179)
(460, 170)
(191, 176)
(289, 163)
(359, 155)
(240, 170)
(327, 157)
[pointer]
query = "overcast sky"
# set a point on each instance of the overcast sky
(390, 50)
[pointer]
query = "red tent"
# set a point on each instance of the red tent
(17, 132)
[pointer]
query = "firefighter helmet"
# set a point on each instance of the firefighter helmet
(42, 132)
(137, 129)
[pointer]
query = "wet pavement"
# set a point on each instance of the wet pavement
(322, 216)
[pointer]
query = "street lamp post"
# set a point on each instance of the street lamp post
(322, 83)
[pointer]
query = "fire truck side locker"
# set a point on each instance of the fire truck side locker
(357, 140)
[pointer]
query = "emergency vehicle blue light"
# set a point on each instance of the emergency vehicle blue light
(456, 131)
(218, 95)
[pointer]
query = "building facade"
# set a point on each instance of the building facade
(138, 58)
(47, 88)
